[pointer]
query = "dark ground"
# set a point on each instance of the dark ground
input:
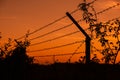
(60, 71)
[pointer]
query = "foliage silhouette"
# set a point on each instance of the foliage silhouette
(14, 59)
(101, 31)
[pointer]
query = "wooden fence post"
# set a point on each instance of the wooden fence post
(88, 39)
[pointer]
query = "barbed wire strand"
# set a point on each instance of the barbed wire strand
(93, 2)
(59, 54)
(75, 51)
(51, 32)
(69, 34)
(64, 17)
(41, 28)
(64, 45)
(55, 38)
(54, 30)
(108, 8)
(88, 28)
(77, 21)
(74, 11)
(108, 21)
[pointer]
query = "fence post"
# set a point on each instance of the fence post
(88, 39)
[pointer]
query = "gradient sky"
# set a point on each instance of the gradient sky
(19, 16)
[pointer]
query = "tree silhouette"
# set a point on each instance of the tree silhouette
(17, 55)
(101, 31)
(14, 59)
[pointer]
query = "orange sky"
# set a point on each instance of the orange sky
(19, 16)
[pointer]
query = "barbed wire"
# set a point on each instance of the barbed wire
(74, 11)
(77, 21)
(63, 54)
(51, 32)
(97, 13)
(70, 34)
(108, 8)
(75, 51)
(55, 21)
(66, 34)
(51, 23)
(59, 54)
(55, 38)
(93, 2)
(64, 45)
(74, 33)
(55, 30)
(69, 24)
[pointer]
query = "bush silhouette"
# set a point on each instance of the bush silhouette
(18, 56)
(14, 62)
